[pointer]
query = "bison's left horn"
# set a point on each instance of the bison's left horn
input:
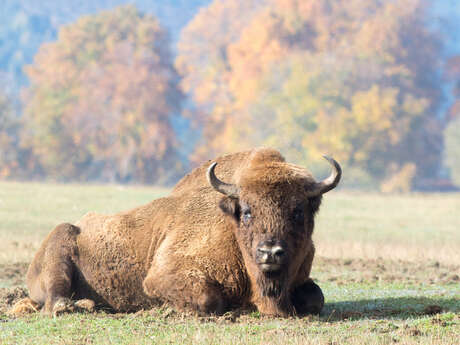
(329, 183)
(225, 188)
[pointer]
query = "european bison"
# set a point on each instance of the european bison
(210, 246)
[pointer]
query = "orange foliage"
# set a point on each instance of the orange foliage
(356, 79)
(101, 99)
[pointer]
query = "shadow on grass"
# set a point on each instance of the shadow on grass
(395, 308)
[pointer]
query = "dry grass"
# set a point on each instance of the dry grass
(411, 227)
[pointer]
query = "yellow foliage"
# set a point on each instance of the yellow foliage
(400, 181)
(314, 77)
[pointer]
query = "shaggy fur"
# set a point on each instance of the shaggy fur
(191, 248)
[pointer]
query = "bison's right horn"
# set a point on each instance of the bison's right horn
(225, 188)
(329, 183)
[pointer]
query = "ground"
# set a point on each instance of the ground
(388, 265)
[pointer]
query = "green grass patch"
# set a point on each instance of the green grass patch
(356, 314)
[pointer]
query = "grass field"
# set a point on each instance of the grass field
(389, 267)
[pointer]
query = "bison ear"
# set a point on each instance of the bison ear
(231, 207)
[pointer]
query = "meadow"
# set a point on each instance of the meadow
(389, 267)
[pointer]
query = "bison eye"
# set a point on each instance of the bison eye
(246, 215)
(297, 216)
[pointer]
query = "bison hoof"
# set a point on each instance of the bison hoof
(85, 305)
(66, 305)
(62, 306)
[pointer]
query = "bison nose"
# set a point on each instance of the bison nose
(278, 251)
(270, 254)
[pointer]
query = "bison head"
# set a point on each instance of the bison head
(273, 203)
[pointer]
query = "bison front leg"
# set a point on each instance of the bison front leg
(308, 298)
(189, 290)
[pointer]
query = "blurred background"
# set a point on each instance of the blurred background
(141, 92)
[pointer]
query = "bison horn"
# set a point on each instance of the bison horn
(329, 183)
(225, 188)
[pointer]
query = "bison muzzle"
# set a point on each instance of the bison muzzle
(235, 232)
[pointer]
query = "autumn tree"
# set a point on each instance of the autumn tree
(203, 62)
(102, 99)
(359, 80)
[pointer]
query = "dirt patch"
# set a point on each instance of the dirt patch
(13, 274)
(372, 270)
(432, 309)
(8, 297)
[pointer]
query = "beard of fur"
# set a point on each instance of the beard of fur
(274, 287)
(271, 285)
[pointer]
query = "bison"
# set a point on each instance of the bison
(235, 232)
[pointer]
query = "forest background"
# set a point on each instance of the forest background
(139, 93)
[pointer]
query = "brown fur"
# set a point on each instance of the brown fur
(190, 249)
